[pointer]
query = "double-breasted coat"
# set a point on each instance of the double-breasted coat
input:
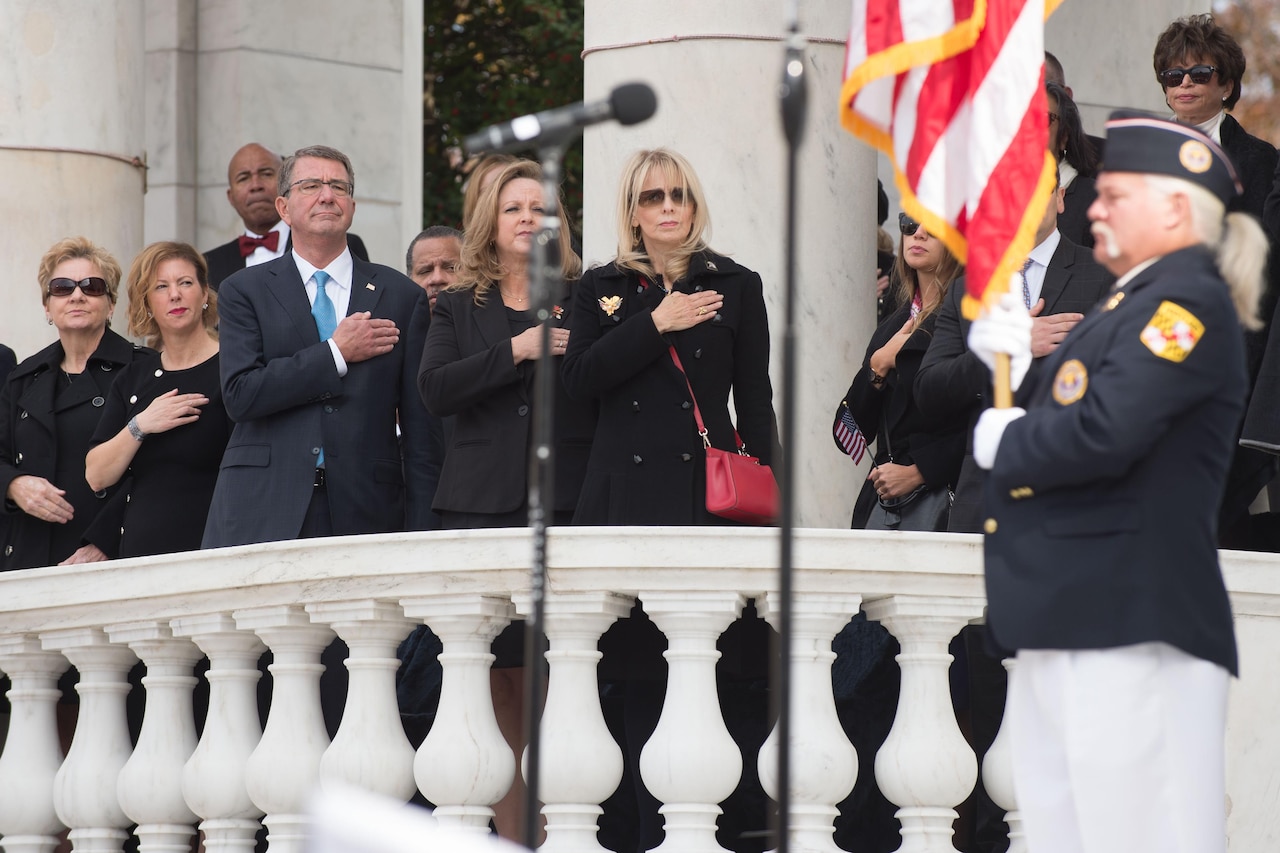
(647, 463)
(1103, 499)
(468, 373)
(35, 422)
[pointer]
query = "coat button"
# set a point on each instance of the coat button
(23, 416)
(639, 288)
(128, 498)
(522, 411)
(19, 459)
(133, 399)
(315, 451)
(8, 550)
(635, 405)
(989, 526)
(159, 373)
(717, 319)
(697, 289)
(697, 353)
(100, 495)
(686, 457)
(99, 401)
(617, 319)
(636, 459)
(686, 405)
(106, 368)
(328, 409)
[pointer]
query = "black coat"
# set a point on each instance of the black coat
(468, 373)
(952, 380)
(647, 463)
(30, 423)
(1073, 222)
(935, 445)
(1103, 499)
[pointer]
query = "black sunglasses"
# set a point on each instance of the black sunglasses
(92, 286)
(653, 198)
(907, 225)
(1200, 74)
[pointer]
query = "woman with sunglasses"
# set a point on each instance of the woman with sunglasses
(668, 289)
(1200, 67)
(49, 407)
(917, 451)
(164, 423)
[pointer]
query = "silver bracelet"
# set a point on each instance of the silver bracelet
(135, 430)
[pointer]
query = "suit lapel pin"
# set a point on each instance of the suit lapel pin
(712, 266)
(370, 286)
(557, 312)
(610, 304)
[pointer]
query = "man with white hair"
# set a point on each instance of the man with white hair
(1102, 502)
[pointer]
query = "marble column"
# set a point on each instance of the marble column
(71, 125)
(716, 68)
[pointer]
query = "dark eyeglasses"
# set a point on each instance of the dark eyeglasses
(1200, 74)
(907, 225)
(92, 286)
(653, 198)
(311, 186)
(1053, 117)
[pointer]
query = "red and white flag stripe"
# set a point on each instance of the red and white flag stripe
(953, 92)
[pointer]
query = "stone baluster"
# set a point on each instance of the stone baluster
(824, 764)
(464, 765)
(925, 766)
(213, 780)
(370, 750)
(28, 821)
(151, 782)
(997, 774)
(580, 763)
(691, 762)
(85, 788)
(284, 769)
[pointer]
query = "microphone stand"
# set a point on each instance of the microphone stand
(545, 285)
(793, 101)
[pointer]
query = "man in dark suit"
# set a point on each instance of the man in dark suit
(1063, 283)
(314, 451)
(1101, 548)
(251, 189)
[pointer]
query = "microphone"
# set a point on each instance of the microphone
(630, 103)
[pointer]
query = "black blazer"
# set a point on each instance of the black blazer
(468, 375)
(282, 389)
(8, 361)
(29, 438)
(226, 260)
(1073, 222)
(1103, 498)
(952, 380)
(933, 443)
(647, 463)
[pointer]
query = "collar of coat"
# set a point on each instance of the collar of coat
(112, 349)
(703, 263)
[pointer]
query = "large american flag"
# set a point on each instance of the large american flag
(953, 92)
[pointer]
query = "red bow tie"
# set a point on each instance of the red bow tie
(248, 244)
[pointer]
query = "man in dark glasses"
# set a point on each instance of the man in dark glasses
(251, 190)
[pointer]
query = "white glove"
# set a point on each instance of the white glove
(1006, 328)
(988, 432)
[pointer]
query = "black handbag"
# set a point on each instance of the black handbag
(924, 509)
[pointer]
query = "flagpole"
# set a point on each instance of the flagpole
(1003, 383)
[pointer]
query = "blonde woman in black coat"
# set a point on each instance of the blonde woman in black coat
(666, 288)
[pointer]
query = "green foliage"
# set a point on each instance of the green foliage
(488, 61)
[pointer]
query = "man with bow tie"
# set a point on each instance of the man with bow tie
(251, 189)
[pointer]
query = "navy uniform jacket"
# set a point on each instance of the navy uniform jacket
(1104, 497)
(282, 389)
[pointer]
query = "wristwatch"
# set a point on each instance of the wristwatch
(876, 379)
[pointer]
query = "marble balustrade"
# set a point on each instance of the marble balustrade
(293, 598)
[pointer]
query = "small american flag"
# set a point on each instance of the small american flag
(847, 435)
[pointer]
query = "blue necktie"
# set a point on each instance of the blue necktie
(1026, 287)
(322, 308)
(326, 322)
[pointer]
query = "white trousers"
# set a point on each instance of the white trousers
(1120, 750)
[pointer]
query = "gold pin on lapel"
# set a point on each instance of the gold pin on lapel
(370, 286)
(610, 304)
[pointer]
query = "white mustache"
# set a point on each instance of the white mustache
(1103, 232)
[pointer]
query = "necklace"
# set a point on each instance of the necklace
(506, 295)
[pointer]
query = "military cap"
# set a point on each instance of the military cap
(1138, 142)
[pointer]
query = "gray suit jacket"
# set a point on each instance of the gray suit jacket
(282, 389)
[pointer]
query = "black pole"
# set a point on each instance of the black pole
(793, 98)
(545, 283)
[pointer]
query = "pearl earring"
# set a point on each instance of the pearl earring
(50, 319)
(148, 315)
(206, 306)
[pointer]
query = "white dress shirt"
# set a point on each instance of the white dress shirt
(262, 254)
(1040, 257)
(340, 270)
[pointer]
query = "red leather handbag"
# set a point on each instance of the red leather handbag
(739, 488)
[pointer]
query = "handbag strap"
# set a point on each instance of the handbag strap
(697, 413)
